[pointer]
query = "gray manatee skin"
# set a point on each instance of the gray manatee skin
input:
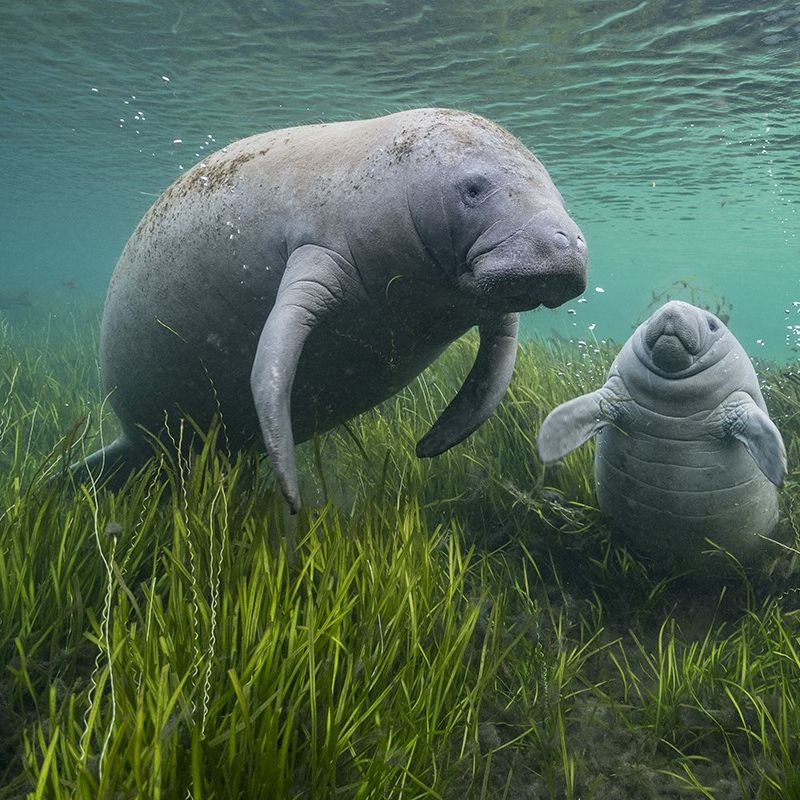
(685, 448)
(299, 277)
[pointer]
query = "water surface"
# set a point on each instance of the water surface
(671, 127)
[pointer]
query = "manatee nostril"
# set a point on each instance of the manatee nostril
(560, 239)
(580, 244)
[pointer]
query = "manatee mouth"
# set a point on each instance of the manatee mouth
(526, 270)
(669, 353)
(675, 337)
(520, 290)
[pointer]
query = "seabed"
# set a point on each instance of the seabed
(462, 627)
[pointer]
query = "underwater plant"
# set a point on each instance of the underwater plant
(465, 627)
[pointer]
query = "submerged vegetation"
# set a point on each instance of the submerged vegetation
(460, 627)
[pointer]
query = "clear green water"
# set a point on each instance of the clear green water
(672, 129)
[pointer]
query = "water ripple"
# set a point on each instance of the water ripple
(636, 108)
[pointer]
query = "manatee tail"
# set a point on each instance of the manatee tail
(110, 466)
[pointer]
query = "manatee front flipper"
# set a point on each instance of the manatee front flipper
(315, 283)
(572, 423)
(482, 390)
(744, 421)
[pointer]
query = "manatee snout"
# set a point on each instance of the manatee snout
(564, 267)
(541, 263)
(674, 336)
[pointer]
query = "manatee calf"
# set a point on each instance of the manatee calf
(299, 277)
(685, 449)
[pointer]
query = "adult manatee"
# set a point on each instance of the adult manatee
(685, 447)
(299, 277)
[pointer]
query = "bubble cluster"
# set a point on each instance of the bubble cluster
(583, 335)
(792, 319)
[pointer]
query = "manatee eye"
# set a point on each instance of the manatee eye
(712, 325)
(474, 189)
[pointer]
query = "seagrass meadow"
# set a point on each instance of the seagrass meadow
(464, 627)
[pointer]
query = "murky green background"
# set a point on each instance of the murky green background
(671, 127)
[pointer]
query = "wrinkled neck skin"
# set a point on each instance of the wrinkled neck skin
(719, 368)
